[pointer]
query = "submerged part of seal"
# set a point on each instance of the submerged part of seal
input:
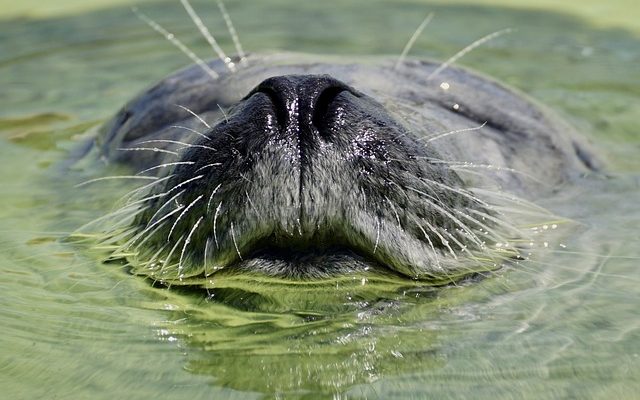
(321, 168)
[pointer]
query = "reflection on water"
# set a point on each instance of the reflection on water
(564, 324)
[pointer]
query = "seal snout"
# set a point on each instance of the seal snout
(307, 177)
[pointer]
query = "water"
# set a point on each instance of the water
(564, 325)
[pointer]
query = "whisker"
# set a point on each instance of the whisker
(468, 165)
(163, 206)
(466, 50)
(213, 192)
(178, 143)
(445, 134)
(186, 243)
(472, 235)
(171, 164)
(192, 131)
(182, 214)
(184, 183)
(105, 217)
(224, 114)
(232, 31)
(375, 247)
(393, 208)
(108, 178)
(496, 237)
(435, 253)
(150, 227)
(205, 261)
(235, 244)
(168, 259)
(512, 198)
(173, 40)
(199, 118)
(207, 35)
(154, 149)
(215, 219)
(208, 166)
(498, 221)
(412, 40)
(442, 239)
(462, 192)
(154, 257)
(253, 206)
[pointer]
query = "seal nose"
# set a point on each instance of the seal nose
(301, 101)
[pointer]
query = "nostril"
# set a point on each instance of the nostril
(279, 104)
(324, 101)
(301, 101)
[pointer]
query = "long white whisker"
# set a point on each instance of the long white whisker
(466, 50)
(393, 208)
(154, 149)
(224, 114)
(512, 198)
(445, 134)
(465, 165)
(150, 227)
(461, 192)
(171, 164)
(442, 239)
(452, 217)
(163, 206)
(173, 40)
(412, 40)
(178, 143)
(192, 131)
(378, 224)
(498, 221)
(208, 166)
(107, 216)
(107, 178)
(235, 244)
(168, 259)
(213, 192)
(184, 183)
(232, 31)
(496, 236)
(206, 256)
(199, 118)
(215, 220)
(186, 243)
(182, 214)
(208, 36)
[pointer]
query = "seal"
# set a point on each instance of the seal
(306, 167)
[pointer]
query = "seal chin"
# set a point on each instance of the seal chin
(305, 178)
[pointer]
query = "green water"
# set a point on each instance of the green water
(563, 325)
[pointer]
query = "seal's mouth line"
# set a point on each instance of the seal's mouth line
(297, 248)
(295, 259)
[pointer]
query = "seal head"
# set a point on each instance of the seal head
(319, 169)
